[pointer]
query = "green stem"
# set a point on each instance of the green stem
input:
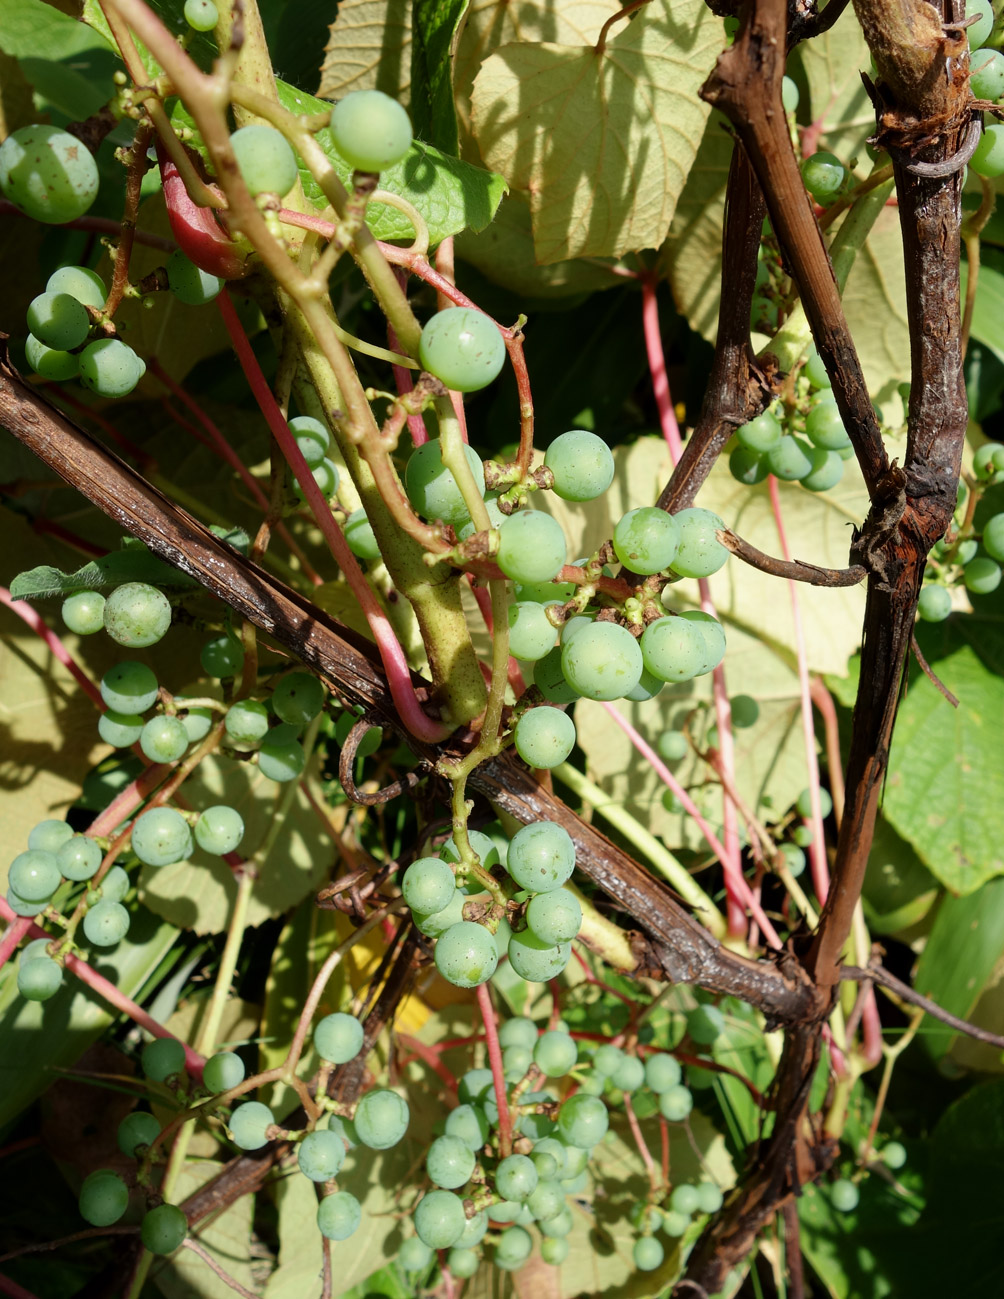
(657, 853)
(228, 963)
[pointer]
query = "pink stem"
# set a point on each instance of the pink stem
(639, 1140)
(498, 1073)
(13, 934)
(9, 1287)
(739, 882)
(597, 982)
(394, 661)
(823, 700)
(871, 1029)
(820, 869)
(104, 988)
(837, 1058)
(657, 366)
(68, 538)
(34, 620)
(126, 802)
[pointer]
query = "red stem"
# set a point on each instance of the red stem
(9, 1287)
(101, 225)
(657, 366)
(498, 1073)
(664, 1139)
(430, 1056)
(392, 655)
(13, 934)
(639, 1140)
(823, 700)
(34, 620)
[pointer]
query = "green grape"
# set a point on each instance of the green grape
(824, 176)
(104, 1198)
(537, 961)
(803, 804)
(48, 173)
(935, 603)
(414, 1255)
(189, 284)
(675, 1103)
(648, 1253)
(163, 1229)
(281, 756)
(163, 739)
(988, 159)
(662, 1072)
(760, 434)
(745, 711)
(469, 1124)
(518, 1031)
(685, 1199)
(246, 723)
(440, 1219)
(463, 348)
(894, 1155)
(794, 858)
(803, 835)
(339, 1038)
(436, 923)
(982, 576)
(219, 830)
(825, 427)
(111, 369)
(532, 547)
(555, 916)
(85, 285)
(325, 475)
(705, 1024)
(432, 489)
(37, 948)
(674, 649)
(548, 1198)
(306, 426)
(981, 29)
(197, 721)
(513, 1248)
(544, 737)
(531, 635)
(495, 518)
(607, 1059)
(645, 540)
(83, 613)
(161, 837)
(672, 746)
(450, 1162)
(544, 592)
(298, 698)
(583, 1121)
(550, 680)
(790, 460)
(709, 1197)
(466, 954)
(106, 924)
(137, 1129)
(844, 1195)
(815, 370)
(428, 885)
(22, 907)
(629, 1075)
(115, 885)
(249, 1124)
(965, 551)
(50, 362)
(320, 1155)
(222, 657)
(827, 470)
(986, 75)
(993, 537)
(554, 1054)
(476, 1085)
(602, 661)
(136, 615)
(129, 687)
(582, 465)
(700, 552)
(381, 1119)
(120, 730)
(264, 159)
(313, 453)
(463, 1263)
(647, 688)
(541, 856)
(515, 1177)
(79, 858)
(40, 978)
(370, 130)
(747, 467)
(675, 1224)
(789, 95)
(360, 537)
(988, 460)
(222, 1071)
(58, 320)
(201, 15)
(162, 1058)
(34, 875)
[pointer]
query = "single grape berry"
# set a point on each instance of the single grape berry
(163, 1229)
(104, 1198)
(414, 1255)
(469, 1124)
(111, 369)
(129, 687)
(120, 730)
(675, 1103)
(137, 1129)
(629, 1074)
(554, 917)
(432, 489)
(463, 1263)
(83, 613)
(554, 1053)
(50, 362)
(137, 615)
(428, 885)
(894, 1155)
(982, 575)
(685, 1199)
(981, 29)
(115, 885)
(986, 75)
(803, 804)
(320, 1155)
(709, 1197)
(219, 830)
(532, 547)
(537, 961)
(513, 1248)
(582, 464)
(249, 1124)
(163, 739)
(48, 173)
(544, 737)
(662, 1071)
(449, 1163)
(189, 284)
(700, 553)
(40, 978)
(85, 285)
(163, 1058)
(34, 875)
(583, 1121)
(824, 176)
(674, 649)
(645, 540)
(222, 657)
(466, 955)
(554, 1250)
(381, 1119)
(745, 711)
(281, 756)
(338, 1037)
(265, 159)
(360, 536)
(988, 159)
(760, 434)
(463, 348)
(531, 634)
(748, 467)
(298, 698)
(370, 130)
(201, 15)
(79, 858)
(541, 856)
(222, 1071)
(246, 723)
(161, 837)
(440, 1219)
(58, 320)
(603, 660)
(648, 1253)
(844, 1195)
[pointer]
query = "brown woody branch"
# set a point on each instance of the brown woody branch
(878, 974)
(794, 569)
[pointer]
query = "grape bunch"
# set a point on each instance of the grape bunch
(967, 556)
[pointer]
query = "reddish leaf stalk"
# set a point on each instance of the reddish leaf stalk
(657, 366)
(428, 1055)
(498, 1073)
(35, 621)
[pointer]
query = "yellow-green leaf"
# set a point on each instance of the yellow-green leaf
(369, 48)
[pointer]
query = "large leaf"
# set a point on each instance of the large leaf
(988, 308)
(437, 26)
(616, 133)
(226, 1236)
(369, 48)
(32, 29)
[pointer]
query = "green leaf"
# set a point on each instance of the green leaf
(988, 308)
(76, 87)
(226, 1236)
(369, 48)
(959, 957)
(899, 891)
(436, 30)
(132, 565)
(450, 195)
(31, 29)
(615, 134)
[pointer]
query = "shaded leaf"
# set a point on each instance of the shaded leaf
(227, 1237)
(31, 29)
(369, 48)
(132, 565)
(988, 308)
(615, 135)
(437, 26)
